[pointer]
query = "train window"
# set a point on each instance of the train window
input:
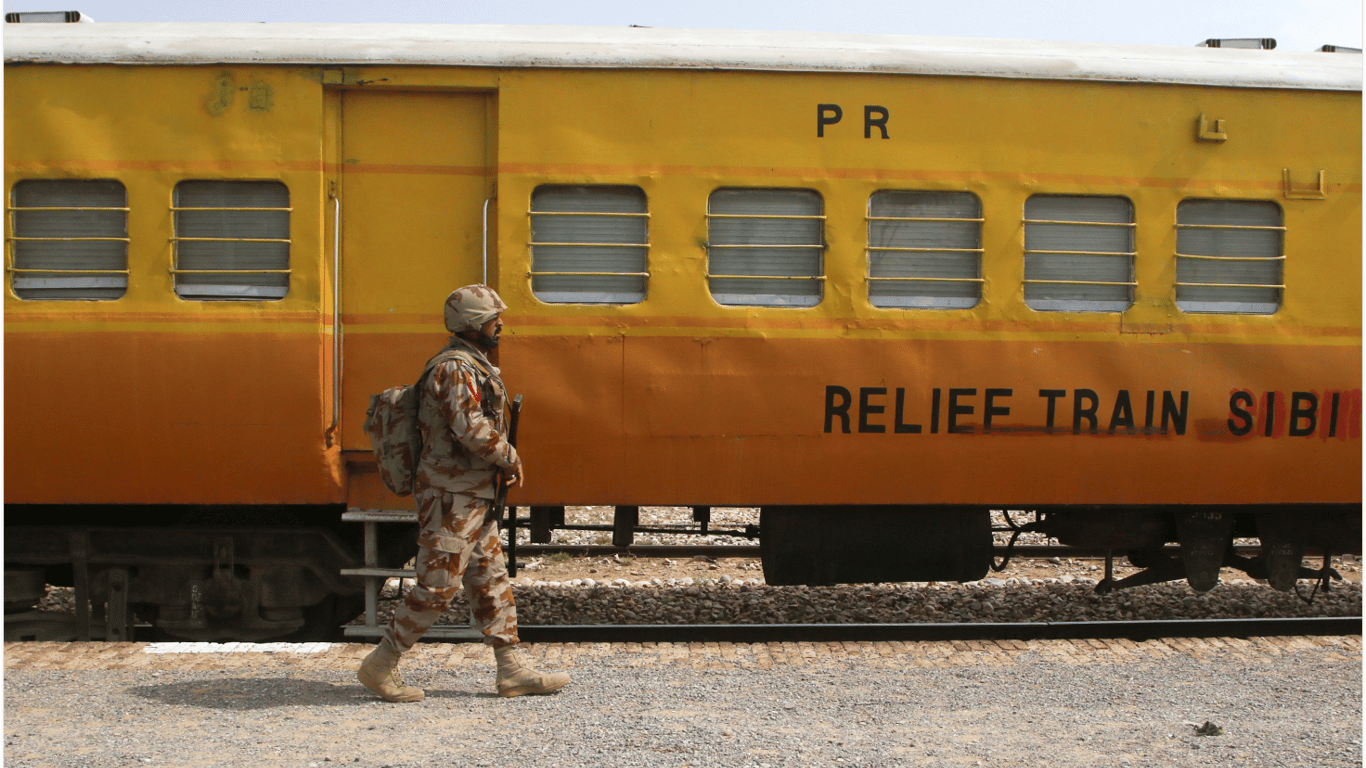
(765, 247)
(1079, 253)
(1228, 256)
(231, 240)
(924, 249)
(589, 244)
(69, 239)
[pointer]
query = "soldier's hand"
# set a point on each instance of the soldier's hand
(515, 476)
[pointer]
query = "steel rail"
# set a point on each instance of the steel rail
(1023, 551)
(1046, 630)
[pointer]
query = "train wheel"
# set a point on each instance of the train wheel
(323, 622)
(1205, 536)
(819, 545)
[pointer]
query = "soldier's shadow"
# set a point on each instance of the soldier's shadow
(437, 693)
(259, 693)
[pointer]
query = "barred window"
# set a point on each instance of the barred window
(765, 247)
(69, 239)
(1228, 256)
(589, 244)
(924, 249)
(1079, 253)
(231, 240)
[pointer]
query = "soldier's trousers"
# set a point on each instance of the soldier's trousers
(478, 565)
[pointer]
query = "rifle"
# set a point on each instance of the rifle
(500, 496)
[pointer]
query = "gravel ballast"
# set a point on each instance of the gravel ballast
(730, 603)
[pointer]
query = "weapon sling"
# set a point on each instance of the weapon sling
(500, 496)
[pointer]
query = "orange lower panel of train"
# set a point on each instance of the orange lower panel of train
(240, 419)
(750, 421)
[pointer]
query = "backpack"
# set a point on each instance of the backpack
(391, 423)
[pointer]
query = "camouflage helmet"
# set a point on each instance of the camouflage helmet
(470, 307)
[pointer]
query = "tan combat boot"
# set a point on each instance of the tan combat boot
(379, 673)
(516, 678)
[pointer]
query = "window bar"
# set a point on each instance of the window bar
(1084, 223)
(1230, 258)
(636, 214)
(903, 218)
(69, 239)
(52, 271)
(232, 239)
(60, 272)
(808, 217)
(768, 245)
(767, 277)
(1087, 253)
(216, 208)
(588, 274)
(13, 209)
(534, 243)
(1253, 227)
(1230, 285)
(176, 271)
(870, 278)
(1080, 282)
(930, 250)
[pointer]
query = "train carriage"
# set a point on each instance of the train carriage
(874, 285)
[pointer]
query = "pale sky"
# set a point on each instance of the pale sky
(1296, 25)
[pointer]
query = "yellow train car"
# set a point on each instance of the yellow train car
(874, 285)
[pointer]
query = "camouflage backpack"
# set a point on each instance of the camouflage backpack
(391, 423)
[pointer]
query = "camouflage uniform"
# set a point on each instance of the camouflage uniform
(461, 421)
(462, 425)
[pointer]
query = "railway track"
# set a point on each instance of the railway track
(941, 631)
(1021, 551)
(912, 632)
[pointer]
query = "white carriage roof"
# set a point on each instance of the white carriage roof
(647, 48)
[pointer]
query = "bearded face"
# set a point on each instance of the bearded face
(488, 335)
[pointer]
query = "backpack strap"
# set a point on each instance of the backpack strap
(446, 356)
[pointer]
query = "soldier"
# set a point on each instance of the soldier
(463, 449)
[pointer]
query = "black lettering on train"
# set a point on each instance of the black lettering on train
(874, 116)
(959, 406)
(1300, 414)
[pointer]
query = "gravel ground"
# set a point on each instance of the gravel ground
(648, 708)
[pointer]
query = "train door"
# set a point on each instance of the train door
(415, 174)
